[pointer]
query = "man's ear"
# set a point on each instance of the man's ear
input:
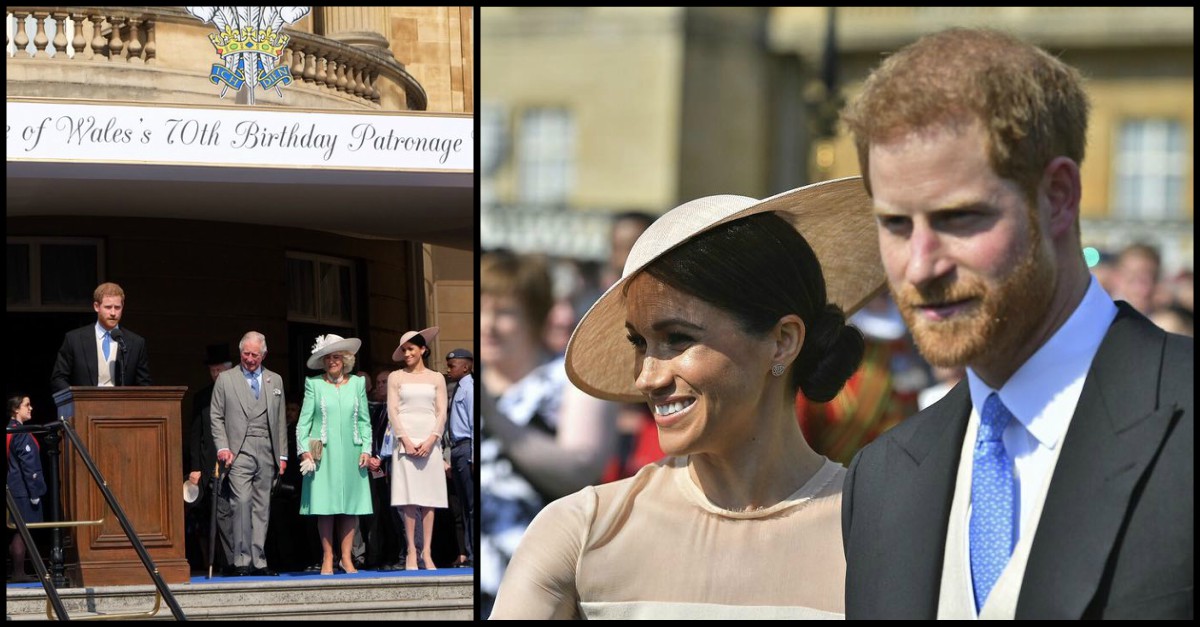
(1062, 190)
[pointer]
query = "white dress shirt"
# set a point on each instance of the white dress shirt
(1042, 395)
(104, 367)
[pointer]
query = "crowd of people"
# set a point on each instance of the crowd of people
(983, 342)
(536, 452)
(374, 460)
(348, 477)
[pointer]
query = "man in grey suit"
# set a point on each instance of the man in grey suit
(1056, 479)
(248, 423)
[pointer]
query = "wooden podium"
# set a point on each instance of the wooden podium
(133, 435)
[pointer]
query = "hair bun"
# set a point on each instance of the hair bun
(841, 348)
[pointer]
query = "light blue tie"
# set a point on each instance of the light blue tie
(254, 384)
(993, 502)
(106, 343)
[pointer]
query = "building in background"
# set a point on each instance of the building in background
(208, 247)
(1138, 174)
(617, 109)
(591, 111)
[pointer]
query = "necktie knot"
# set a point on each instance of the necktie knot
(994, 419)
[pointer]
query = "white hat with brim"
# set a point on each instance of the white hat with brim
(835, 218)
(330, 344)
(191, 492)
(429, 335)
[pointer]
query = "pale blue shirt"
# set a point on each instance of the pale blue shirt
(462, 410)
(247, 375)
(112, 345)
(1042, 396)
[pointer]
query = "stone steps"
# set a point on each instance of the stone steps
(363, 596)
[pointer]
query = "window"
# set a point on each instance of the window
(547, 155)
(1150, 163)
(320, 289)
(492, 150)
(492, 137)
(52, 273)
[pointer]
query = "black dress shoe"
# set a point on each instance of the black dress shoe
(240, 571)
(264, 572)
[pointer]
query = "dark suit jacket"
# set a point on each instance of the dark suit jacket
(202, 453)
(379, 424)
(1115, 539)
(76, 363)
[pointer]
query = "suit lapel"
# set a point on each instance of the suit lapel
(243, 392)
(91, 355)
(268, 379)
(1113, 439)
(923, 468)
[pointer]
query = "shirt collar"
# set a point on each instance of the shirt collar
(100, 330)
(1033, 391)
(465, 387)
(248, 374)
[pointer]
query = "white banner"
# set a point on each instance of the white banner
(41, 131)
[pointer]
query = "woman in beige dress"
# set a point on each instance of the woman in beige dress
(727, 306)
(416, 402)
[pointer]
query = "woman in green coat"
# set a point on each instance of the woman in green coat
(334, 440)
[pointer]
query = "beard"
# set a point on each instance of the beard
(1000, 320)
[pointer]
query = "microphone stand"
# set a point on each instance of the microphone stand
(120, 363)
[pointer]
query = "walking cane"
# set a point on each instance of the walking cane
(212, 526)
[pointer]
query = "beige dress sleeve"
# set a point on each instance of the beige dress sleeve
(653, 546)
(540, 580)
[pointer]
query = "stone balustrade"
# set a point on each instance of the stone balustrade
(167, 39)
(112, 35)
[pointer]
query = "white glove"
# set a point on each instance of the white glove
(307, 465)
(35, 501)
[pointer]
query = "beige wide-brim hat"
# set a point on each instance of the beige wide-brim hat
(330, 344)
(834, 217)
(429, 334)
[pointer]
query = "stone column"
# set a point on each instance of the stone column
(357, 26)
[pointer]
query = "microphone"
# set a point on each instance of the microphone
(119, 337)
(119, 363)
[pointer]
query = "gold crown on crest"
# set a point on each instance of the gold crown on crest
(233, 41)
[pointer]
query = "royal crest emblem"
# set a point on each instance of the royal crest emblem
(249, 40)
